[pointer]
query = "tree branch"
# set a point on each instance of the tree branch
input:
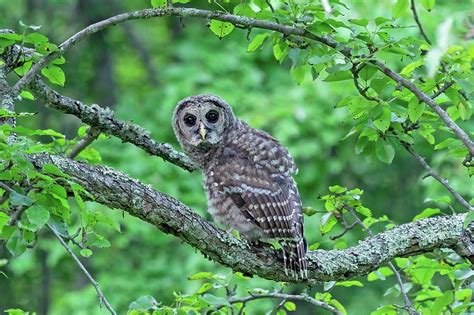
(279, 295)
(94, 283)
(116, 190)
(417, 20)
(244, 22)
(441, 180)
(103, 120)
(398, 277)
(91, 135)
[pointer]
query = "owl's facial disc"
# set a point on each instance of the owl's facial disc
(203, 124)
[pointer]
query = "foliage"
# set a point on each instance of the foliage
(377, 119)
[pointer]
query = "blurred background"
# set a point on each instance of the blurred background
(141, 69)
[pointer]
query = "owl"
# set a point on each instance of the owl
(247, 176)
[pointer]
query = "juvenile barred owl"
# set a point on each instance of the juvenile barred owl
(248, 176)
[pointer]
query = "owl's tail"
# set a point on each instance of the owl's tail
(294, 257)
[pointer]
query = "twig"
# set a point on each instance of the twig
(91, 135)
(417, 20)
(436, 176)
(301, 297)
(441, 90)
(102, 298)
(347, 228)
(362, 91)
(406, 299)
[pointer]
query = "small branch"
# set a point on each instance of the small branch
(347, 228)
(362, 91)
(103, 120)
(102, 298)
(406, 299)
(440, 91)
(278, 295)
(417, 20)
(436, 176)
(423, 97)
(90, 136)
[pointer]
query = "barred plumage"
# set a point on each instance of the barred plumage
(248, 176)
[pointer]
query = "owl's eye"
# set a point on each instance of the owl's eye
(189, 120)
(212, 116)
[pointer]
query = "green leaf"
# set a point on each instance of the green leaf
(360, 145)
(35, 38)
(399, 9)
(144, 303)
(364, 211)
(337, 189)
(338, 76)
(4, 218)
(328, 221)
(201, 275)
(54, 74)
(349, 283)
(361, 22)
(415, 109)
(383, 121)
(17, 199)
(257, 41)
(221, 29)
(16, 245)
(381, 20)
(445, 143)
(85, 252)
(27, 95)
(385, 152)
(159, 3)
(428, 4)
(380, 273)
(410, 67)
(441, 302)
(21, 70)
(244, 9)
(469, 218)
(290, 306)
(53, 169)
(298, 73)
(428, 212)
(215, 300)
(37, 215)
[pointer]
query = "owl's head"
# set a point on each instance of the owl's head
(202, 121)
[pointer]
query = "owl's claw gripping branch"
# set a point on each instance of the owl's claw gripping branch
(116, 190)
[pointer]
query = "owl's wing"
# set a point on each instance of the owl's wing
(266, 198)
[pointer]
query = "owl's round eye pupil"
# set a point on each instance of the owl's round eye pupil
(212, 116)
(190, 120)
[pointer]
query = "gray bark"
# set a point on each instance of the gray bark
(116, 190)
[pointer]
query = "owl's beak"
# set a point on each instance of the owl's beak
(202, 131)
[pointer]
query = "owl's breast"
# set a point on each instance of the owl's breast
(225, 212)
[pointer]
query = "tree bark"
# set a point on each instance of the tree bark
(116, 190)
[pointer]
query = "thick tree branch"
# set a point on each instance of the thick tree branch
(244, 22)
(103, 120)
(116, 190)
